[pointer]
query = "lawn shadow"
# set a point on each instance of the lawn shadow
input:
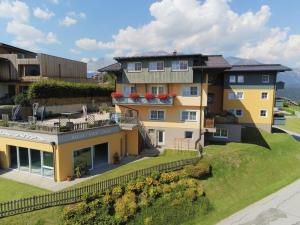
(278, 131)
(252, 135)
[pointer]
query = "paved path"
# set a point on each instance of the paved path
(279, 208)
(295, 135)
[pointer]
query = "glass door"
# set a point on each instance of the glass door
(160, 137)
(47, 164)
(24, 159)
(36, 164)
(13, 157)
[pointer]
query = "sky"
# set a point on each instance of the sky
(95, 31)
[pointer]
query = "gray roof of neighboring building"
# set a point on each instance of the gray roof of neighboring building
(173, 55)
(258, 67)
(111, 68)
(16, 48)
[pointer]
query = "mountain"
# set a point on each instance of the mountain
(241, 61)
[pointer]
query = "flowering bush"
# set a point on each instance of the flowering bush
(149, 96)
(134, 95)
(116, 95)
(162, 96)
(172, 95)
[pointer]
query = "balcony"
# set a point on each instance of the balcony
(164, 99)
(279, 119)
(279, 103)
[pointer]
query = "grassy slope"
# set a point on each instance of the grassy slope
(292, 124)
(51, 216)
(10, 190)
(245, 173)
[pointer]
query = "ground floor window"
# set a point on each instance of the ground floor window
(31, 160)
(221, 133)
(188, 134)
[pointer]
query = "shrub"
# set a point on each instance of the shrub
(89, 197)
(61, 89)
(135, 186)
(144, 200)
(167, 178)
(107, 199)
(117, 192)
(191, 193)
(155, 175)
(116, 95)
(134, 96)
(22, 99)
(126, 207)
(162, 96)
(149, 96)
(201, 170)
(154, 192)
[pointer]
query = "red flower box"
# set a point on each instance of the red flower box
(149, 96)
(172, 95)
(162, 96)
(116, 95)
(134, 96)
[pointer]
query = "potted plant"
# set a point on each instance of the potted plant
(149, 96)
(134, 96)
(69, 178)
(162, 97)
(116, 95)
(116, 158)
(78, 171)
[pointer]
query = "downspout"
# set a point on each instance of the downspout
(201, 103)
(53, 145)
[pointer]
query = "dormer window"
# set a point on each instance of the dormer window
(156, 66)
(134, 67)
(180, 65)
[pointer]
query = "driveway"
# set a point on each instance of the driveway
(279, 208)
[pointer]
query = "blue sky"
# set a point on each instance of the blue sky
(263, 29)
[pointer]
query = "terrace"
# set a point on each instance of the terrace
(223, 118)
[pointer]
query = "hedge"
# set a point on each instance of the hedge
(62, 89)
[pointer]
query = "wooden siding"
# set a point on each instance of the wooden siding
(8, 67)
(166, 76)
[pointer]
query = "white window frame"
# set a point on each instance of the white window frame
(157, 110)
(180, 61)
(261, 95)
(265, 115)
(234, 95)
(189, 116)
(129, 87)
(156, 70)
(134, 71)
(220, 135)
(186, 91)
(157, 89)
(265, 81)
(242, 77)
(164, 137)
(232, 79)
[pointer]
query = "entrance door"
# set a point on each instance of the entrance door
(24, 159)
(160, 137)
(35, 157)
(13, 157)
(100, 155)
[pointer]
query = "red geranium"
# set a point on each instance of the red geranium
(134, 95)
(149, 96)
(172, 95)
(162, 96)
(116, 95)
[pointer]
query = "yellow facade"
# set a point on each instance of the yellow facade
(121, 142)
(251, 104)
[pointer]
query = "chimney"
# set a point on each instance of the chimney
(174, 52)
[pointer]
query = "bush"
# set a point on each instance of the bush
(117, 192)
(61, 89)
(126, 207)
(22, 99)
(201, 170)
(167, 178)
(135, 186)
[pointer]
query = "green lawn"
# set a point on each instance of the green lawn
(245, 173)
(10, 190)
(292, 124)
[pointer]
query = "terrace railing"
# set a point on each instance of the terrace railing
(74, 195)
(143, 101)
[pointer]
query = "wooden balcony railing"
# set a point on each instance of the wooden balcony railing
(209, 123)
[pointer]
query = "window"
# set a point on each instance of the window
(157, 90)
(221, 133)
(265, 79)
(188, 134)
(240, 79)
(235, 95)
(190, 91)
(180, 65)
(264, 95)
(263, 113)
(128, 89)
(232, 79)
(157, 115)
(134, 67)
(189, 116)
(239, 112)
(156, 66)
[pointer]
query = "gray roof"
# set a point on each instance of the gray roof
(111, 68)
(258, 67)
(157, 56)
(214, 62)
(2, 45)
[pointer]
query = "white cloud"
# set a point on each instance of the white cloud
(15, 10)
(43, 13)
(93, 63)
(68, 21)
(74, 51)
(209, 26)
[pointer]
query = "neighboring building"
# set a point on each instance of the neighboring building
(19, 68)
(213, 98)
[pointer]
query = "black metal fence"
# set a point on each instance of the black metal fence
(74, 195)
